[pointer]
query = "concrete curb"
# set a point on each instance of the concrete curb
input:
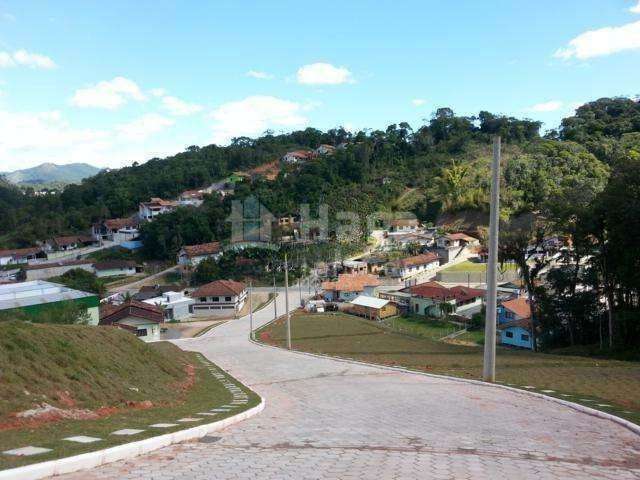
(575, 406)
(125, 451)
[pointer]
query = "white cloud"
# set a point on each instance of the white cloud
(418, 102)
(550, 106)
(178, 107)
(108, 94)
(323, 74)
(143, 127)
(22, 58)
(604, 41)
(28, 139)
(259, 75)
(158, 92)
(253, 115)
(635, 8)
(8, 17)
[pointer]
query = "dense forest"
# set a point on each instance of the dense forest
(581, 181)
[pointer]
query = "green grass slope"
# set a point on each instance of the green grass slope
(83, 367)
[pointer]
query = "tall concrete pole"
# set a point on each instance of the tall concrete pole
(275, 294)
(251, 310)
(286, 300)
(489, 370)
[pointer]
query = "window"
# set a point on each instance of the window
(508, 334)
(417, 307)
(203, 299)
(227, 299)
(142, 332)
(215, 299)
(524, 337)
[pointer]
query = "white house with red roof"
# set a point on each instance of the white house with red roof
(192, 255)
(220, 298)
(433, 299)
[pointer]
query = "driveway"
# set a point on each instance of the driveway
(327, 419)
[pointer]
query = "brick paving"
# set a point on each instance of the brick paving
(326, 419)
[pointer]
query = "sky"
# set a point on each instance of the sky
(112, 83)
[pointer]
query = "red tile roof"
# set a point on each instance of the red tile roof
(114, 264)
(118, 223)
(422, 259)
(352, 282)
(219, 288)
(111, 314)
(437, 291)
(461, 236)
(405, 222)
(520, 306)
(19, 252)
(210, 248)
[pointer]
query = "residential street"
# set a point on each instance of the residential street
(326, 419)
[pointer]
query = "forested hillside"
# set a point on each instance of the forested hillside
(581, 182)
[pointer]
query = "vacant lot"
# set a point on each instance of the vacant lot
(593, 382)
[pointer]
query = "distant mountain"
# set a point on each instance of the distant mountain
(51, 174)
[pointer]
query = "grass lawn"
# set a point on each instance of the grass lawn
(58, 364)
(589, 381)
(421, 327)
(468, 266)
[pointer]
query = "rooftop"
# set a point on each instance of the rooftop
(422, 259)
(371, 302)
(25, 294)
(348, 282)
(219, 288)
(520, 306)
(210, 248)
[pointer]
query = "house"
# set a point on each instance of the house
(193, 198)
(115, 268)
(410, 267)
(514, 323)
(435, 300)
(453, 246)
(137, 317)
(375, 265)
(175, 305)
(325, 149)
(154, 207)
(404, 225)
(297, 156)
(70, 242)
(354, 266)
(348, 286)
(220, 297)
(401, 299)
(21, 255)
(192, 255)
(117, 230)
(37, 296)
(401, 241)
(42, 271)
(371, 307)
(453, 240)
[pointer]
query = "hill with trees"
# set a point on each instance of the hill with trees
(581, 182)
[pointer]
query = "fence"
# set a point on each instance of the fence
(510, 275)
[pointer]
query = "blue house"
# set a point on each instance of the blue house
(514, 323)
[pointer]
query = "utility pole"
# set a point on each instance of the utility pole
(286, 300)
(275, 295)
(489, 370)
(251, 310)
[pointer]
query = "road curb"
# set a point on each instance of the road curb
(575, 406)
(125, 451)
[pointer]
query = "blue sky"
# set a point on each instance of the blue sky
(110, 83)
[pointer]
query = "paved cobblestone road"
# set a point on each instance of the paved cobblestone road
(327, 419)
